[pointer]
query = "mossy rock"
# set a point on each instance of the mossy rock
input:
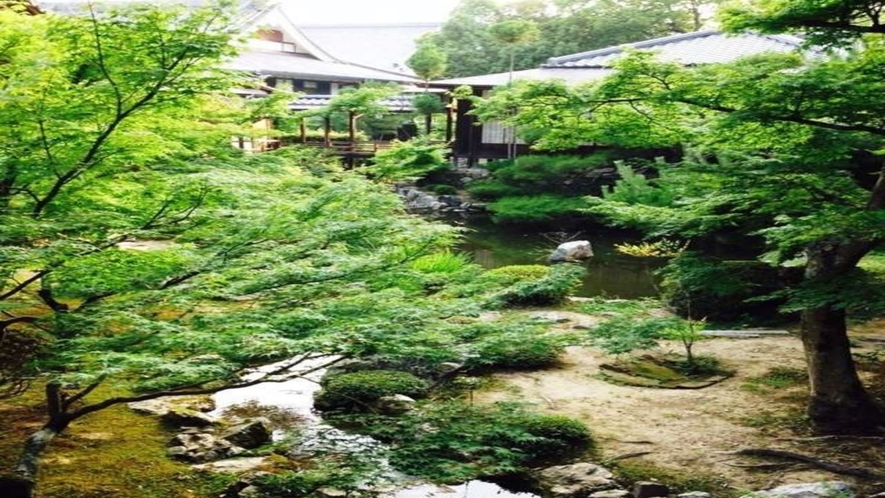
(357, 391)
(653, 371)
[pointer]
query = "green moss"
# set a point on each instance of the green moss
(113, 453)
(776, 378)
(357, 390)
(679, 482)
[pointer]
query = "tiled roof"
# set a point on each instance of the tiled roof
(305, 67)
(701, 47)
(569, 75)
(380, 46)
(397, 103)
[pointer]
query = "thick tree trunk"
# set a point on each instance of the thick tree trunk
(22, 483)
(838, 402)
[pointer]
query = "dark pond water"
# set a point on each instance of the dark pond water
(610, 273)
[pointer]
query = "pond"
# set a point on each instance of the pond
(610, 274)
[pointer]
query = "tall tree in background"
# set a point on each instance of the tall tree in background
(790, 149)
(513, 34)
(429, 63)
(565, 27)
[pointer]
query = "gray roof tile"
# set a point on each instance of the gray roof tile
(381, 46)
(306, 67)
(701, 47)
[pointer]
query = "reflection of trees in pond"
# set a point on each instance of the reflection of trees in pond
(610, 273)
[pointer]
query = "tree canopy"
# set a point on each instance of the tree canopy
(138, 249)
(564, 27)
(783, 147)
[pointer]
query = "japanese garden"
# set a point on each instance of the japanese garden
(542, 249)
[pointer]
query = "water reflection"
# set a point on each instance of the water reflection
(610, 273)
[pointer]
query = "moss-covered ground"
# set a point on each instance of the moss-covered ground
(115, 453)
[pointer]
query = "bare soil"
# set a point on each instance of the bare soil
(692, 432)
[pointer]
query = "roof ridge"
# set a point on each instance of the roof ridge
(373, 25)
(555, 61)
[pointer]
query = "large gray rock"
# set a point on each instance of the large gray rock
(576, 250)
(576, 480)
(252, 434)
(394, 405)
(182, 417)
(825, 489)
(161, 406)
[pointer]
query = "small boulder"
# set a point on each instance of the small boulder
(825, 489)
(649, 489)
(576, 250)
(249, 435)
(579, 479)
(394, 405)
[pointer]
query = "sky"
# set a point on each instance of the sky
(368, 11)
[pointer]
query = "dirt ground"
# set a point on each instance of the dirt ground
(692, 431)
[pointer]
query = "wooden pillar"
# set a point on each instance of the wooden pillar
(351, 127)
(327, 130)
(302, 127)
(449, 121)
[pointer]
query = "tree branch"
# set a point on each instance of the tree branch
(823, 464)
(268, 377)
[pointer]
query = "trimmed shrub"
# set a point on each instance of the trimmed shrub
(534, 289)
(358, 390)
(515, 351)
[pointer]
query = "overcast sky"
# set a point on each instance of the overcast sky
(368, 11)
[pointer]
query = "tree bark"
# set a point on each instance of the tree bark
(23, 483)
(838, 402)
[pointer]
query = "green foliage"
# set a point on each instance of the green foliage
(721, 290)
(664, 248)
(454, 442)
(427, 103)
(358, 390)
(441, 262)
(624, 334)
(525, 285)
(476, 35)
(619, 307)
(635, 188)
(348, 473)
(428, 61)
(409, 160)
(535, 209)
(776, 379)
(514, 32)
(442, 189)
(518, 348)
(535, 174)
